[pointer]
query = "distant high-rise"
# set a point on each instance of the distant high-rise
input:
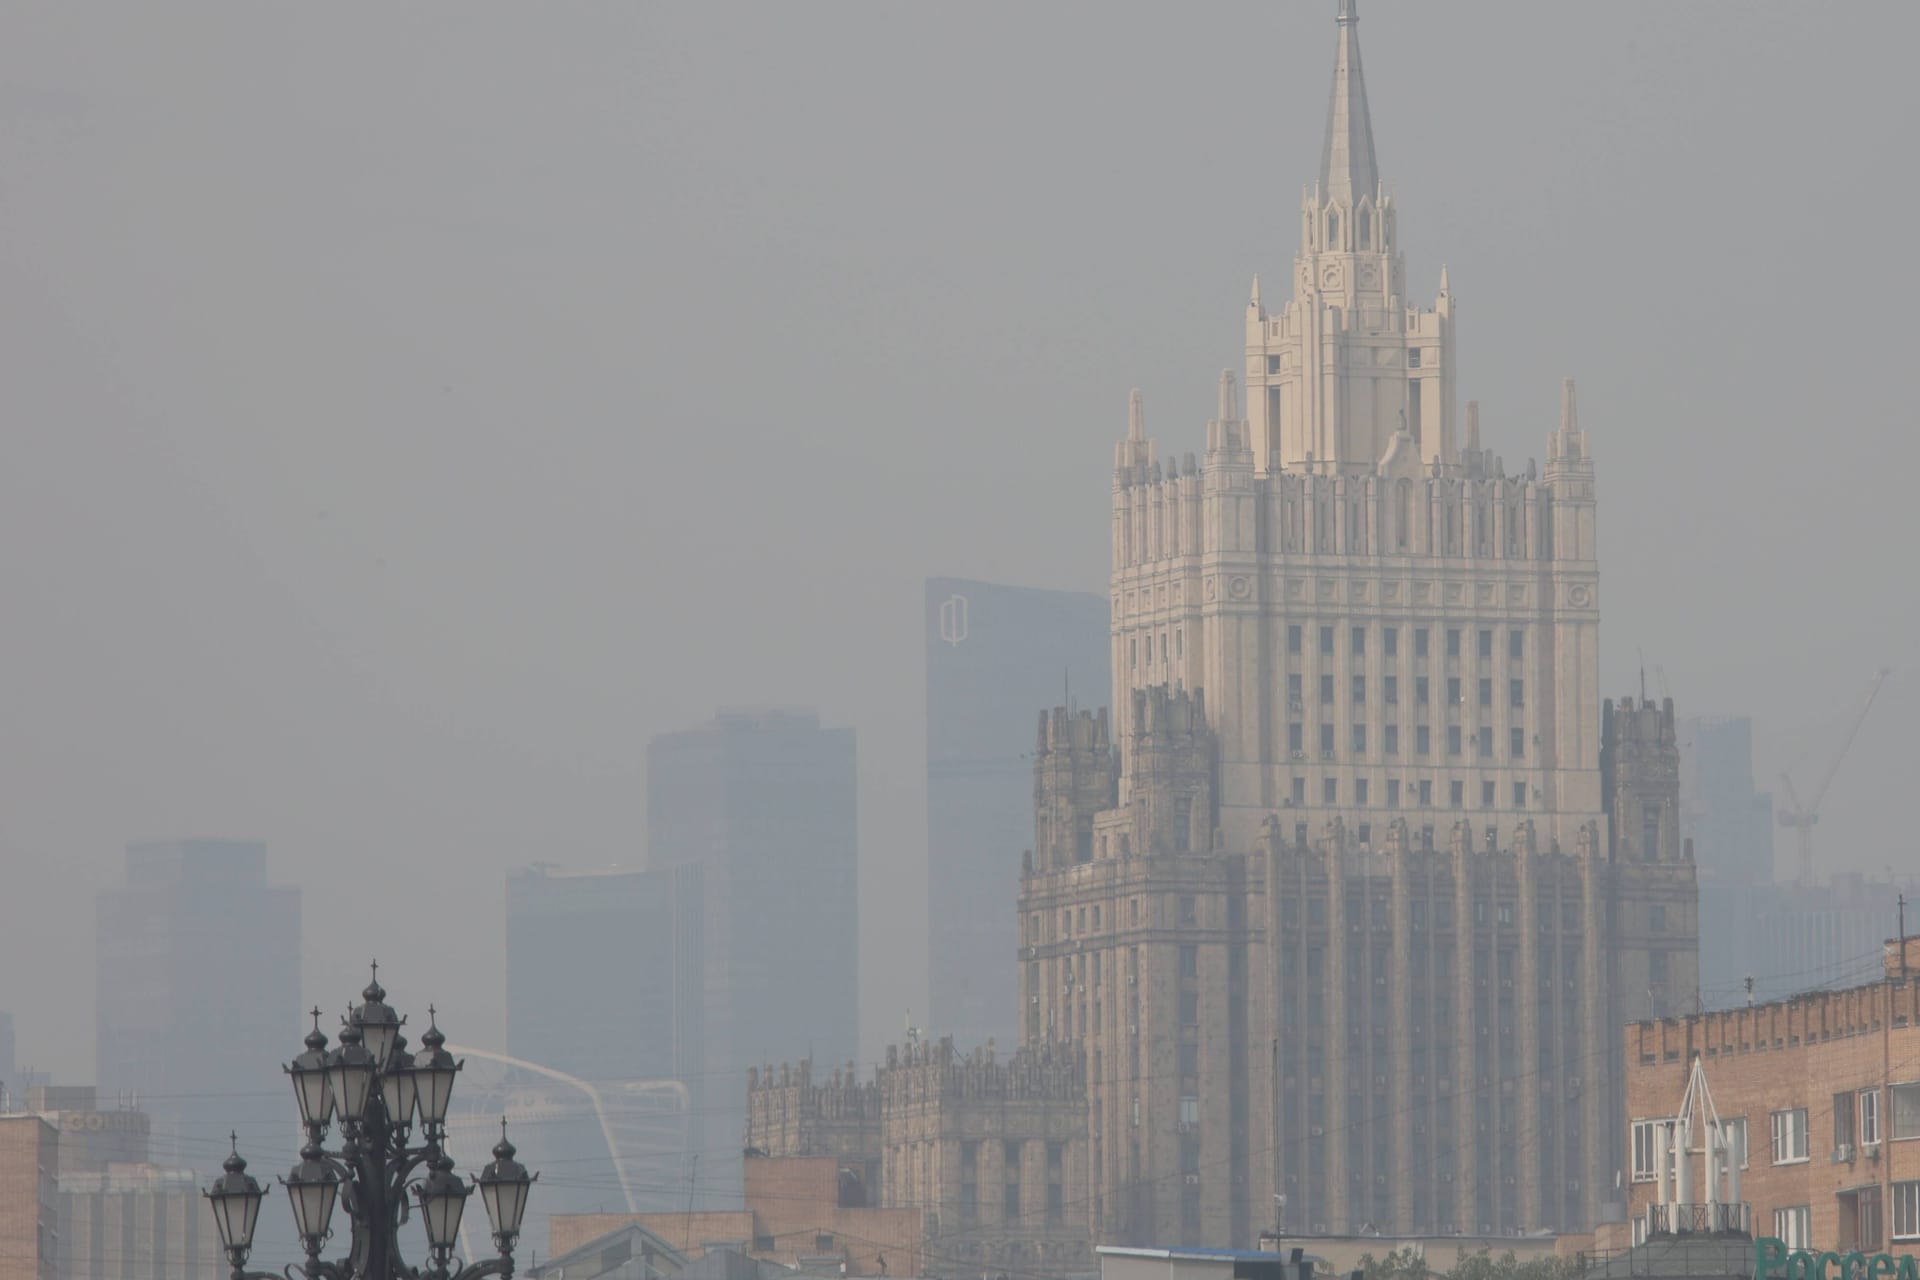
(760, 806)
(198, 998)
(1729, 822)
(601, 967)
(993, 654)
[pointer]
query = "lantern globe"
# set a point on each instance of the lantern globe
(350, 1072)
(397, 1088)
(308, 1072)
(442, 1199)
(433, 1074)
(235, 1198)
(379, 1024)
(504, 1188)
(313, 1188)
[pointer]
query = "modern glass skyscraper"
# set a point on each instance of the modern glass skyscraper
(198, 1002)
(994, 654)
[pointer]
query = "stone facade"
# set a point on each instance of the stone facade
(1346, 904)
(1843, 1065)
(994, 1152)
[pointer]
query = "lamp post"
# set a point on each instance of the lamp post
(372, 1091)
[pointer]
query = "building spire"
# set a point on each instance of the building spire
(1348, 169)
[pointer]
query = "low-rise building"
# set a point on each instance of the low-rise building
(29, 1200)
(1816, 1098)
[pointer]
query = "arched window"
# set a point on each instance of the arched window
(1363, 229)
(1333, 229)
(1404, 521)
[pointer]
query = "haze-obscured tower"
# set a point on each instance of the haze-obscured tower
(1360, 920)
(198, 992)
(760, 807)
(994, 653)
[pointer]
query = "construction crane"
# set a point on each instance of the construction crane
(1801, 817)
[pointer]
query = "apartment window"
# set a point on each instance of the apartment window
(1646, 1136)
(1453, 691)
(1392, 744)
(1517, 743)
(1179, 643)
(1390, 641)
(1519, 795)
(1293, 640)
(1189, 1008)
(1294, 695)
(1650, 832)
(1189, 1110)
(1421, 691)
(1457, 794)
(1189, 910)
(1789, 1137)
(1657, 968)
(1791, 1226)
(1359, 738)
(1486, 795)
(1296, 737)
(1906, 1110)
(1326, 739)
(1133, 653)
(1906, 1210)
(1326, 641)
(1515, 645)
(1182, 829)
(1453, 739)
(1842, 1122)
(1869, 1117)
(1866, 1219)
(1422, 740)
(1190, 1056)
(1300, 833)
(1486, 692)
(1360, 791)
(1330, 790)
(1486, 646)
(1359, 691)
(1453, 642)
(1393, 784)
(1657, 918)
(1483, 742)
(1010, 1200)
(1390, 690)
(1419, 642)
(1189, 961)
(1326, 688)
(1359, 641)
(1426, 795)
(1299, 789)
(1516, 693)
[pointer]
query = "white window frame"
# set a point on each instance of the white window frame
(1645, 1139)
(1793, 1225)
(1893, 1110)
(1868, 1127)
(1903, 1218)
(1789, 1124)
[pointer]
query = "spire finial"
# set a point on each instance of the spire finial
(1473, 424)
(1136, 415)
(1254, 302)
(1348, 170)
(1569, 416)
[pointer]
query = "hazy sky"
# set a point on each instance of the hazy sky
(408, 410)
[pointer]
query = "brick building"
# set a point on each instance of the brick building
(1819, 1096)
(994, 1151)
(29, 1198)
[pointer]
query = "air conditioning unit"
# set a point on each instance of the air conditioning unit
(1133, 1030)
(1446, 1177)
(1133, 979)
(1033, 999)
(1193, 1179)
(1843, 1153)
(1318, 1132)
(1873, 1151)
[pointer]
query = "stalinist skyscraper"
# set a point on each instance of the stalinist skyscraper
(1349, 901)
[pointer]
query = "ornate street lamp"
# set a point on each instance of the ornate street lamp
(374, 1089)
